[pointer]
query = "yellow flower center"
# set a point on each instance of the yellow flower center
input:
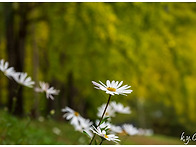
(105, 136)
(111, 89)
(76, 113)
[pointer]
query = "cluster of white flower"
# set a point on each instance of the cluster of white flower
(105, 129)
(80, 124)
(22, 79)
(112, 109)
(128, 129)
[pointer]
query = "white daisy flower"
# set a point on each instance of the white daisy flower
(116, 129)
(109, 112)
(49, 91)
(72, 115)
(111, 127)
(84, 125)
(80, 124)
(102, 133)
(103, 125)
(130, 129)
(22, 79)
(113, 87)
(9, 72)
(89, 132)
(118, 107)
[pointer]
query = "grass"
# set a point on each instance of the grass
(16, 131)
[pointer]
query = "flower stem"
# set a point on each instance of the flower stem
(101, 142)
(101, 118)
(104, 110)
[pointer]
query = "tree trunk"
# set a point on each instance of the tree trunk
(9, 23)
(35, 108)
(16, 50)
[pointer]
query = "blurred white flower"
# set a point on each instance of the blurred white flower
(111, 127)
(103, 125)
(120, 108)
(22, 79)
(116, 129)
(146, 132)
(80, 124)
(130, 129)
(82, 140)
(102, 133)
(9, 72)
(49, 91)
(109, 112)
(84, 125)
(113, 87)
(41, 118)
(56, 131)
(72, 115)
(149, 132)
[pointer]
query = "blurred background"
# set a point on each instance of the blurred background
(150, 46)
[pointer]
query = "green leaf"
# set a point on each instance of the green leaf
(105, 128)
(104, 120)
(86, 133)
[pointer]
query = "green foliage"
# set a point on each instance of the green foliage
(104, 120)
(26, 131)
(15, 131)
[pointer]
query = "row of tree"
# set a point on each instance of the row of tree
(149, 46)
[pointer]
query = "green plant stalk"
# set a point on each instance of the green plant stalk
(15, 99)
(101, 141)
(101, 118)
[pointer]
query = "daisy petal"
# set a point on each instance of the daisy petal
(113, 87)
